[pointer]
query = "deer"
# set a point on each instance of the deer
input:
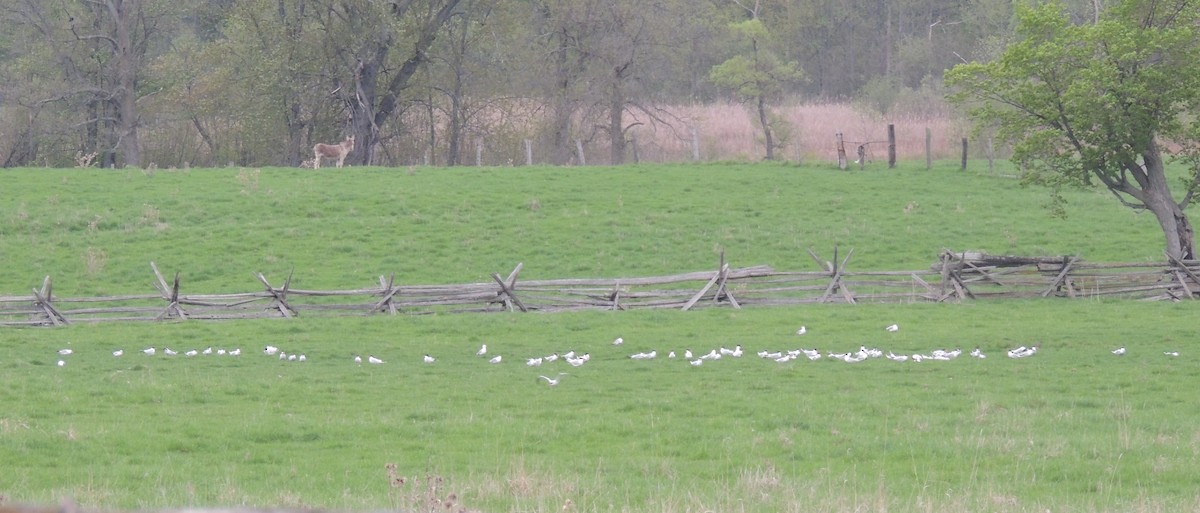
(332, 151)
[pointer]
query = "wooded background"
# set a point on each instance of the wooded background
(165, 83)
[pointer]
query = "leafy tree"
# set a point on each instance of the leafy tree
(1108, 100)
(758, 76)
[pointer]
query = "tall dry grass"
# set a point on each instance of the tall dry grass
(727, 131)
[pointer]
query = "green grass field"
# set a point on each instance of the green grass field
(1073, 428)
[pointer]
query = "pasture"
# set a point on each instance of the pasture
(1073, 428)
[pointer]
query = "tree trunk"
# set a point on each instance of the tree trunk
(1177, 229)
(126, 92)
(616, 132)
(766, 127)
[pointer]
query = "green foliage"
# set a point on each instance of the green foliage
(760, 73)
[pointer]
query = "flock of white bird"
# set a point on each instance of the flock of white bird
(695, 359)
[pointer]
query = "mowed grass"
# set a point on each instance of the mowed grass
(1073, 428)
(95, 231)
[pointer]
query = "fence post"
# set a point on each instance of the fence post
(479, 152)
(841, 152)
(964, 154)
(928, 149)
(891, 146)
(579, 151)
(634, 142)
(695, 144)
(528, 152)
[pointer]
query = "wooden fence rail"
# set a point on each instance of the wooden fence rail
(954, 277)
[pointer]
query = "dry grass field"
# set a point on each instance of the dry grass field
(728, 132)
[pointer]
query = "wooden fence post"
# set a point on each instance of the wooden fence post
(891, 146)
(695, 144)
(964, 153)
(841, 152)
(479, 152)
(928, 149)
(528, 152)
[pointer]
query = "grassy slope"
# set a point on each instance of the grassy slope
(342, 229)
(1071, 429)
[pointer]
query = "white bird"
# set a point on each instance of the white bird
(65, 352)
(169, 352)
(149, 351)
(208, 350)
(118, 352)
(373, 359)
(894, 327)
(978, 354)
(191, 353)
(576, 362)
(221, 352)
(496, 359)
(618, 341)
(282, 355)
(696, 363)
(737, 352)
(553, 381)
(1119, 351)
(534, 362)
(236, 352)
(61, 363)
(292, 357)
(269, 350)
(802, 330)
(687, 353)
(482, 350)
(301, 358)
(358, 359)
(1171, 353)
(551, 358)
(429, 359)
(671, 354)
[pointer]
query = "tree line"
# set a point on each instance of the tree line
(257, 82)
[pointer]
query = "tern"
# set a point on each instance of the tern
(292, 357)
(482, 350)
(149, 351)
(978, 353)
(1119, 351)
(802, 330)
(373, 359)
(61, 363)
(191, 353)
(301, 358)
(65, 352)
(551, 358)
(221, 352)
(576, 362)
(553, 381)
(169, 352)
(671, 354)
(618, 341)
(358, 359)
(534, 362)
(236, 352)
(496, 359)
(894, 327)
(687, 353)
(696, 363)
(118, 352)
(269, 350)
(430, 359)
(208, 350)
(1171, 353)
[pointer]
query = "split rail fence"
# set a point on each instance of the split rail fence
(954, 277)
